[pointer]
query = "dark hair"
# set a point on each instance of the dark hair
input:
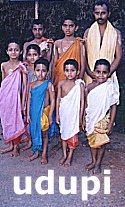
(101, 3)
(42, 61)
(71, 62)
(70, 17)
(102, 62)
(13, 40)
(34, 47)
(38, 21)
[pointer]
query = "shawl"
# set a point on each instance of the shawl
(10, 105)
(69, 112)
(36, 110)
(72, 52)
(99, 101)
(108, 46)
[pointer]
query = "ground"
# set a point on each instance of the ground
(114, 161)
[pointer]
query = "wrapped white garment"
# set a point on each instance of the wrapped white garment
(69, 112)
(99, 101)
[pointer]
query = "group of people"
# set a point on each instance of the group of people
(71, 81)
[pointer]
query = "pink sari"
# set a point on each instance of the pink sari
(10, 105)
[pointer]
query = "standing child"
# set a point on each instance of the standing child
(45, 44)
(32, 54)
(41, 102)
(11, 105)
(100, 113)
(68, 47)
(69, 111)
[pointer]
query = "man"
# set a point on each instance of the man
(45, 44)
(102, 41)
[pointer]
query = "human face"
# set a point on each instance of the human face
(41, 72)
(101, 73)
(38, 31)
(69, 27)
(70, 72)
(101, 14)
(32, 56)
(13, 51)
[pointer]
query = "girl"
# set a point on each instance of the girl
(32, 54)
(12, 105)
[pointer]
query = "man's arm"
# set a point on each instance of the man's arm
(118, 53)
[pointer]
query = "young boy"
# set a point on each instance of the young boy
(69, 47)
(100, 113)
(69, 110)
(41, 102)
(46, 45)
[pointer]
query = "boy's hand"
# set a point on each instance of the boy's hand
(57, 119)
(23, 110)
(80, 123)
(28, 119)
(84, 124)
(50, 119)
(109, 76)
(109, 128)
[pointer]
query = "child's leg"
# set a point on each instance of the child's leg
(16, 150)
(27, 139)
(100, 155)
(28, 146)
(33, 156)
(8, 149)
(63, 159)
(93, 154)
(45, 145)
(69, 158)
(58, 145)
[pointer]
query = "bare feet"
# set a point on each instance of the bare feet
(57, 147)
(44, 160)
(97, 169)
(16, 152)
(28, 146)
(67, 163)
(6, 150)
(24, 140)
(33, 156)
(90, 166)
(62, 160)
